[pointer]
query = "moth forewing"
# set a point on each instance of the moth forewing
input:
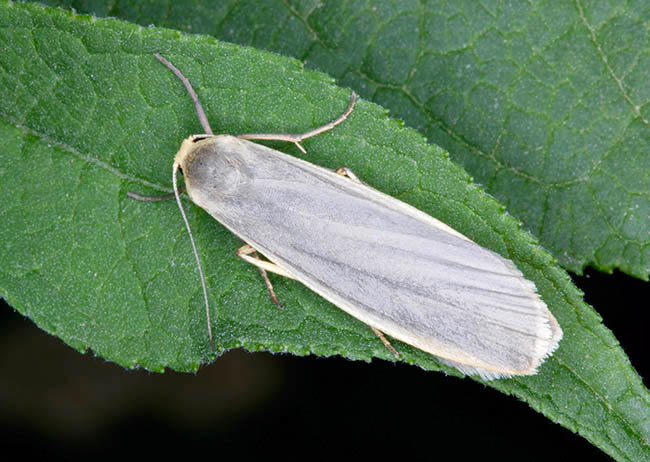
(384, 262)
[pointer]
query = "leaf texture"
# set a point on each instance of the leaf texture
(88, 114)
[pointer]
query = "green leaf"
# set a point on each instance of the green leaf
(545, 103)
(88, 114)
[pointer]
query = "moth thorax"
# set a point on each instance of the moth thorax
(211, 170)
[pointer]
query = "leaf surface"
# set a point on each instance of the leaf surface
(88, 114)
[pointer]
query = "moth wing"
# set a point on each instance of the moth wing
(387, 264)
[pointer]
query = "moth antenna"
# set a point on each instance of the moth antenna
(196, 256)
(188, 86)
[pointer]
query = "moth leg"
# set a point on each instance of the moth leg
(385, 341)
(164, 197)
(298, 137)
(346, 172)
(246, 250)
(249, 254)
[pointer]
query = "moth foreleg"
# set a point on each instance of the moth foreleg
(164, 197)
(297, 138)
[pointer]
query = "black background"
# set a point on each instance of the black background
(57, 403)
